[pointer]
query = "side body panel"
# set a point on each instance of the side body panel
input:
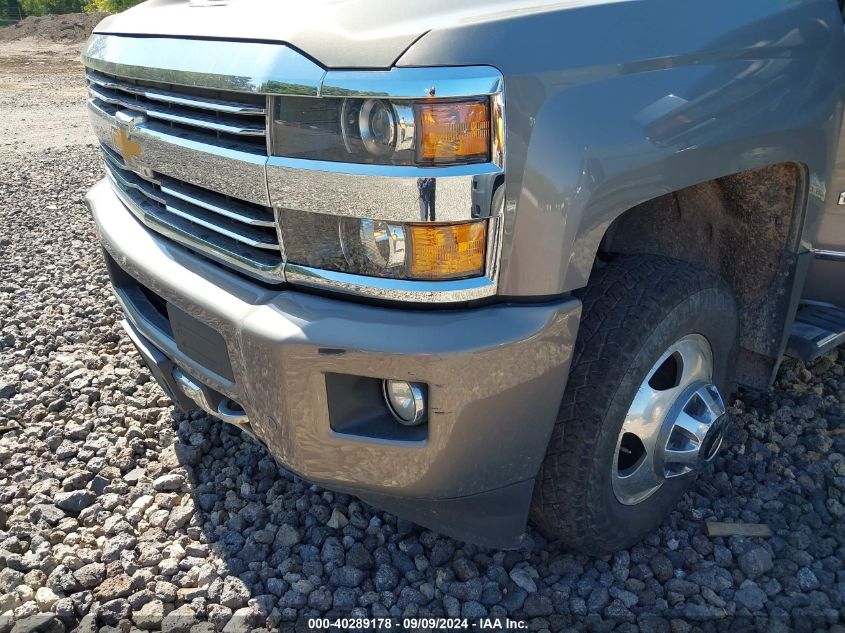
(826, 277)
(609, 106)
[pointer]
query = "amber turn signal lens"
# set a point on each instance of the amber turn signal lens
(447, 251)
(454, 132)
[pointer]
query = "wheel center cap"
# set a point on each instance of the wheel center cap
(713, 440)
(692, 432)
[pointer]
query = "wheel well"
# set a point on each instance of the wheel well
(746, 227)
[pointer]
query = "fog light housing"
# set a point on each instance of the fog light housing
(405, 400)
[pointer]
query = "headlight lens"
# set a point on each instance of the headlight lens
(377, 126)
(381, 131)
(372, 246)
(385, 249)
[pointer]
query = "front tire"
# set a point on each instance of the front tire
(656, 347)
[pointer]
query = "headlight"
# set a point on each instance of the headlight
(385, 249)
(372, 130)
(409, 184)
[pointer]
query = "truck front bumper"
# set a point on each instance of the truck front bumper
(300, 364)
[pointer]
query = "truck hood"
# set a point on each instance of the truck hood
(335, 33)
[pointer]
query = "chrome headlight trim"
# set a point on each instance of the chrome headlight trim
(449, 291)
(408, 290)
(352, 189)
(444, 82)
(390, 193)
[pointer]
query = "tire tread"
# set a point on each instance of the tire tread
(621, 304)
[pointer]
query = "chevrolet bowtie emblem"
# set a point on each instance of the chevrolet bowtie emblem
(125, 146)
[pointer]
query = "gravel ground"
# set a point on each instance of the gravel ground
(42, 97)
(118, 513)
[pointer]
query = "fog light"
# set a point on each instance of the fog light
(405, 401)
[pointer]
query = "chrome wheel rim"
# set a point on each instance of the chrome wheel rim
(674, 425)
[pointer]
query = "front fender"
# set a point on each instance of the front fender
(612, 104)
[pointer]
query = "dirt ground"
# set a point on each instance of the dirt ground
(42, 96)
(71, 27)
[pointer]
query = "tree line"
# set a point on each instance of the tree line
(18, 9)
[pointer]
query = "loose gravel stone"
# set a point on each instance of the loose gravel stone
(538, 606)
(807, 580)
(34, 623)
(523, 580)
(91, 575)
(234, 594)
(168, 482)
(149, 616)
(755, 562)
(115, 587)
(74, 501)
(387, 577)
(347, 576)
(113, 611)
(45, 598)
(750, 596)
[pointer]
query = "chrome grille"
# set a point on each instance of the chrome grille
(238, 234)
(236, 120)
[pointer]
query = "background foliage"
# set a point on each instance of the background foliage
(17, 9)
(10, 10)
(112, 6)
(43, 7)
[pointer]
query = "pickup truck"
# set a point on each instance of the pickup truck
(476, 262)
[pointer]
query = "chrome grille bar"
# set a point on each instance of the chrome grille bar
(238, 234)
(231, 167)
(175, 115)
(235, 116)
(227, 107)
(243, 234)
(200, 198)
